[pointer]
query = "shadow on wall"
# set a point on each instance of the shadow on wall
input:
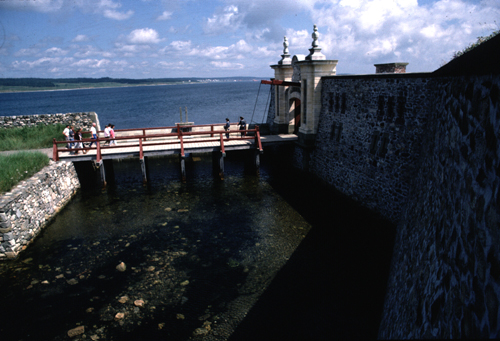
(333, 286)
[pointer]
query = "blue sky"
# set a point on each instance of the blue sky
(219, 38)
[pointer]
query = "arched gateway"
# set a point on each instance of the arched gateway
(298, 90)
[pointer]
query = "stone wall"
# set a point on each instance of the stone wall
(28, 207)
(445, 278)
(81, 119)
(369, 137)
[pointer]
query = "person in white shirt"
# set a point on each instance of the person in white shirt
(106, 133)
(93, 131)
(66, 134)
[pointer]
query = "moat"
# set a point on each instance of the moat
(275, 256)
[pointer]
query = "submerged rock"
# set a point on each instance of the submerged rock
(76, 331)
(121, 267)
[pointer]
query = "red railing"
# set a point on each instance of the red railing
(178, 138)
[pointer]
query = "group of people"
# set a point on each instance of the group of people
(242, 124)
(74, 136)
(109, 132)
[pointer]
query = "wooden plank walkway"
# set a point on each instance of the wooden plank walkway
(192, 144)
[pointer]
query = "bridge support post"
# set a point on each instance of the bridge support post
(145, 170)
(183, 168)
(218, 164)
(102, 172)
(257, 161)
(221, 165)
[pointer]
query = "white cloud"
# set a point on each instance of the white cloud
(92, 63)
(56, 51)
(37, 6)
(181, 45)
(89, 50)
(225, 20)
(80, 38)
(42, 62)
(112, 14)
(165, 16)
(27, 52)
(144, 36)
(228, 65)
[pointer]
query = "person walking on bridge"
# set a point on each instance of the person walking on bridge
(226, 127)
(93, 131)
(106, 133)
(66, 135)
(243, 125)
(112, 134)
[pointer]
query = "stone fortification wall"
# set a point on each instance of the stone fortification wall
(445, 278)
(81, 119)
(29, 206)
(369, 137)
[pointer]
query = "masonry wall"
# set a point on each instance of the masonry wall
(445, 278)
(370, 135)
(28, 207)
(81, 119)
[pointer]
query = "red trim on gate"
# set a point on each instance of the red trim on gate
(278, 82)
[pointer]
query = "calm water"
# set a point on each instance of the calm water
(147, 106)
(276, 256)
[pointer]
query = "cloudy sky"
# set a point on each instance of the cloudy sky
(218, 38)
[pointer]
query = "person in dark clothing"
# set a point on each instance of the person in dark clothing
(226, 127)
(71, 135)
(78, 139)
(243, 125)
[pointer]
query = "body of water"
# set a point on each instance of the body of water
(253, 257)
(148, 106)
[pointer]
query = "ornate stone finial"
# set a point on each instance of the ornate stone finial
(285, 46)
(315, 51)
(285, 57)
(315, 36)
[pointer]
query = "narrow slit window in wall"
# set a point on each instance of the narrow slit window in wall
(339, 130)
(333, 131)
(373, 144)
(383, 144)
(343, 105)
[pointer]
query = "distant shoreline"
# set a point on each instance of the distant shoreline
(118, 85)
(96, 87)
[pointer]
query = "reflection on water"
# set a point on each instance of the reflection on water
(199, 257)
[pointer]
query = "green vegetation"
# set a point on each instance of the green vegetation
(24, 138)
(20, 166)
(479, 41)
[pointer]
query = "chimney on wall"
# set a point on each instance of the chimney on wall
(391, 68)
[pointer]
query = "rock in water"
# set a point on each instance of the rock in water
(76, 331)
(121, 267)
(139, 303)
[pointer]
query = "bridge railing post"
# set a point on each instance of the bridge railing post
(258, 142)
(179, 134)
(55, 152)
(98, 157)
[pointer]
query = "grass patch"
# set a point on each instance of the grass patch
(40, 136)
(19, 166)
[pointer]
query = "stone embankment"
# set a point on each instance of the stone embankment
(79, 119)
(28, 207)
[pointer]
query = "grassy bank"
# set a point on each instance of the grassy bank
(19, 166)
(25, 138)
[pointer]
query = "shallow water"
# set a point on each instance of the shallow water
(248, 257)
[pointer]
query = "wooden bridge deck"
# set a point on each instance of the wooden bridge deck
(191, 145)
